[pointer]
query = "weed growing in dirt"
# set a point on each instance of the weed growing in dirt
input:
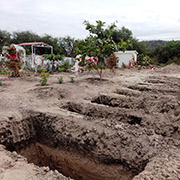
(44, 78)
(72, 79)
(65, 67)
(60, 80)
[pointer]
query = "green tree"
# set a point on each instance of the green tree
(138, 46)
(51, 41)
(99, 43)
(66, 44)
(24, 36)
(5, 36)
(168, 53)
(143, 60)
(121, 34)
(126, 35)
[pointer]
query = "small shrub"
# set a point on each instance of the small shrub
(40, 70)
(65, 67)
(143, 60)
(72, 79)
(112, 62)
(60, 80)
(44, 78)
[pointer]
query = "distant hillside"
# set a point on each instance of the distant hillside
(153, 44)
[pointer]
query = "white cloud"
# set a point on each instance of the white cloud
(146, 19)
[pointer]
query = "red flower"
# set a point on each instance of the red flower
(74, 55)
(13, 55)
(5, 42)
(71, 52)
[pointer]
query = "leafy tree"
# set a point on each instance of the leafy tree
(138, 46)
(5, 36)
(99, 43)
(168, 52)
(152, 44)
(121, 34)
(66, 45)
(24, 36)
(51, 41)
(143, 60)
(126, 35)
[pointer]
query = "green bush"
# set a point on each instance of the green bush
(44, 78)
(143, 60)
(168, 53)
(41, 69)
(60, 80)
(53, 56)
(72, 79)
(65, 67)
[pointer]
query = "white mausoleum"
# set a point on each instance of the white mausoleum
(125, 57)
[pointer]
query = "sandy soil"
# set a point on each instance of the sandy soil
(130, 119)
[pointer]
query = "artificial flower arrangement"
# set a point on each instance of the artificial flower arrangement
(12, 59)
(87, 62)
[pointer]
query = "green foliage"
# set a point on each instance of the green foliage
(168, 52)
(44, 78)
(99, 43)
(1, 83)
(143, 60)
(40, 69)
(152, 44)
(72, 79)
(121, 34)
(28, 52)
(126, 35)
(60, 80)
(66, 44)
(2, 71)
(29, 36)
(5, 36)
(24, 36)
(65, 67)
(51, 41)
(138, 46)
(53, 56)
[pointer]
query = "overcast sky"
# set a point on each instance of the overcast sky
(147, 19)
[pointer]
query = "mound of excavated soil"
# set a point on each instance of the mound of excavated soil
(126, 126)
(172, 68)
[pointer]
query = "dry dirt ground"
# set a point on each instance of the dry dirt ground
(125, 127)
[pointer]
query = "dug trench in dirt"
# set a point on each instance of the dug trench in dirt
(54, 140)
(133, 124)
